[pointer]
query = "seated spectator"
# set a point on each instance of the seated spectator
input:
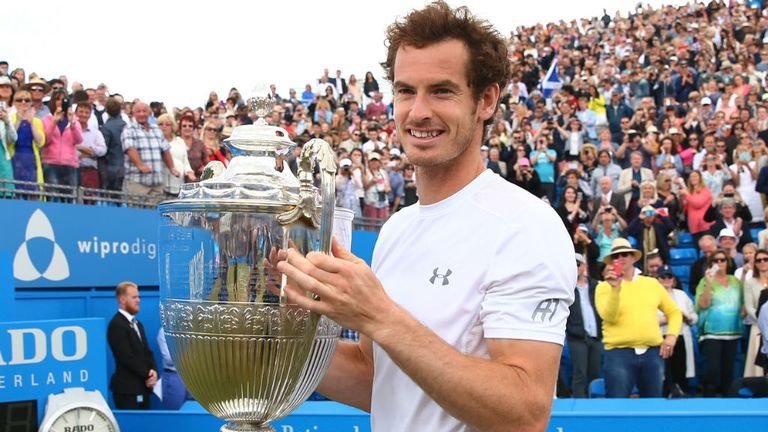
(744, 272)
(648, 195)
(583, 331)
(681, 365)
(696, 199)
(668, 155)
(635, 347)
(718, 303)
(584, 244)
(652, 232)
(572, 209)
(574, 176)
(726, 240)
(653, 263)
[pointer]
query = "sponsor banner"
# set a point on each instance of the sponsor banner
(65, 245)
(42, 357)
(7, 294)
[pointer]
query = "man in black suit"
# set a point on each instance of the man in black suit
(135, 370)
(584, 332)
(339, 83)
(607, 198)
(707, 245)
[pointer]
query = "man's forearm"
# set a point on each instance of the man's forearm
(349, 378)
(133, 155)
(490, 395)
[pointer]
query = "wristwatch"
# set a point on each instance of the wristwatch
(78, 410)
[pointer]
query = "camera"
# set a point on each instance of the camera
(608, 209)
(65, 104)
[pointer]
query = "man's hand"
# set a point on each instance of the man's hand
(152, 380)
(144, 168)
(349, 292)
(667, 346)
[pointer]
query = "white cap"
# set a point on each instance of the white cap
(726, 232)
(345, 163)
(706, 101)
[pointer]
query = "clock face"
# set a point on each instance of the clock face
(82, 419)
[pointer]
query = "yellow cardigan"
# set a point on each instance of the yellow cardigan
(36, 146)
(629, 313)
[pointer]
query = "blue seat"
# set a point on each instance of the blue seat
(597, 388)
(632, 241)
(683, 272)
(682, 256)
(755, 232)
(685, 239)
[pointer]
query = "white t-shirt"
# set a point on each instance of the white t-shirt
(490, 261)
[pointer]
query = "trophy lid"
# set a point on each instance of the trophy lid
(256, 176)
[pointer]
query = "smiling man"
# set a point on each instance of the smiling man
(465, 330)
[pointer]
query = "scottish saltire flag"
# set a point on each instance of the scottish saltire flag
(551, 81)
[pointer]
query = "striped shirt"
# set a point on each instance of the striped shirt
(150, 145)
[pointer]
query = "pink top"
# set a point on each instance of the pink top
(696, 204)
(60, 148)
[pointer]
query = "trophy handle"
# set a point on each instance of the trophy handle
(315, 152)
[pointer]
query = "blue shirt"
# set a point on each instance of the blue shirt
(544, 167)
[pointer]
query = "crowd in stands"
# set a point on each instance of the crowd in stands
(658, 131)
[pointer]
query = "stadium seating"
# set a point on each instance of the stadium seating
(597, 389)
(682, 256)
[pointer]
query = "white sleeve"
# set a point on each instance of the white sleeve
(531, 280)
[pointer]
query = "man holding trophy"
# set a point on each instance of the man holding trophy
(466, 330)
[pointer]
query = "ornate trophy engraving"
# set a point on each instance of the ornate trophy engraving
(245, 354)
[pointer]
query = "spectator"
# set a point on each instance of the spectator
(409, 186)
(147, 151)
(635, 348)
(718, 303)
(668, 155)
(744, 174)
(696, 199)
(575, 136)
(583, 332)
(744, 272)
(572, 209)
(607, 198)
(526, 177)
(92, 148)
(714, 174)
(629, 183)
(489, 164)
(178, 149)
(196, 152)
(681, 365)
(754, 285)
(396, 183)
(370, 86)
(37, 89)
(652, 232)
(667, 198)
(376, 107)
(653, 263)
(376, 185)
(7, 137)
(608, 226)
(26, 161)
(62, 135)
(605, 168)
(112, 165)
(346, 188)
(543, 161)
(727, 218)
(212, 142)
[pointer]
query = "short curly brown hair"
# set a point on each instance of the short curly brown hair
(489, 61)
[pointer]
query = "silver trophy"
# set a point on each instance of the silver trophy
(245, 354)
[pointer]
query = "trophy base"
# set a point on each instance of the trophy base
(246, 427)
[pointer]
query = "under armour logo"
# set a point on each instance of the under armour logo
(436, 275)
(546, 307)
(39, 237)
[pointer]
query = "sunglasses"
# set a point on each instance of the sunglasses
(36, 89)
(163, 124)
(719, 260)
(24, 100)
(761, 260)
(622, 254)
(208, 129)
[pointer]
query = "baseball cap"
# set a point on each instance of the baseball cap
(345, 163)
(524, 162)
